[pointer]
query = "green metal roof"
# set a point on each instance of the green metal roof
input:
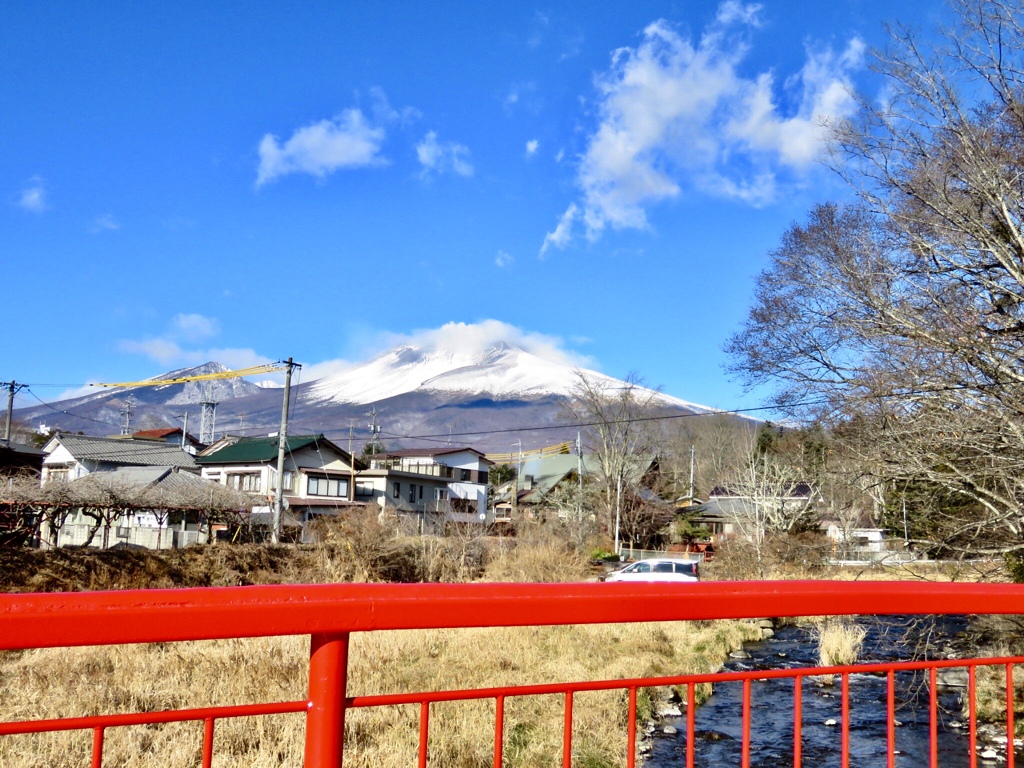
(254, 450)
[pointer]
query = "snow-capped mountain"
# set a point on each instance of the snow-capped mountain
(481, 396)
(500, 371)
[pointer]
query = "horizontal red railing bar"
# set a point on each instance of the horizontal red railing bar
(543, 689)
(149, 718)
(141, 616)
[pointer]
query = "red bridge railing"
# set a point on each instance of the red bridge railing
(328, 614)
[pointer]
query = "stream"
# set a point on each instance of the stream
(718, 721)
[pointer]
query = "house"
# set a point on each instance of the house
(419, 494)
(172, 436)
(69, 457)
(548, 485)
(18, 457)
(726, 510)
(319, 477)
(169, 508)
(464, 469)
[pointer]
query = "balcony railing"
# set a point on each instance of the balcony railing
(329, 614)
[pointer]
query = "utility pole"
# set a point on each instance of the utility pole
(13, 388)
(282, 442)
(579, 473)
(351, 467)
(126, 414)
(184, 431)
(693, 453)
(374, 431)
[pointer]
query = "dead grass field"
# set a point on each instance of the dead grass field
(68, 682)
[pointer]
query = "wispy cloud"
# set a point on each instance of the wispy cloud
(443, 157)
(180, 345)
(503, 259)
(676, 115)
(348, 140)
(531, 147)
(33, 197)
(104, 223)
(478, 337)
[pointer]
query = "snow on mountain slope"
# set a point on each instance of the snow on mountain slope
(502, 370)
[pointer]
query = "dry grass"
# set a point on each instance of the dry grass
(66, 682)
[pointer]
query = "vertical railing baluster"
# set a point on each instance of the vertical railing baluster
(845, 757)
(746, 723)
(890, 719)
(691, 706)
(798, 720)
(424, 732)
(933, 716)
(499, 729)
(1009, 716)
(631, 730)
(567, 732)
(325, 719)
(97, 747)
(208, 743)
(972, 706)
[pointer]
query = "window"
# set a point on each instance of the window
(412, 492)
(421, 491)
(464, 475)
(396, 489)
(364, 489)
(249, 483)
(289, 480)
(440, 494)
(327, 486)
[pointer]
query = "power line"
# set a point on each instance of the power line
(69, 413)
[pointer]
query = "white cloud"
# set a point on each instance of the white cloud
(33, 197)
(349, 140)
(562, 233)
(478, 337)
(195, 327)
(437, 157)
(676, 115)
(177, 347)
(531, 147)
(104, 223)
(733, 12)
(503, 259)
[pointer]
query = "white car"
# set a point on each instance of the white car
(662, 569)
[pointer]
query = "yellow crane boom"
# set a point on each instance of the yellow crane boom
(253, 371)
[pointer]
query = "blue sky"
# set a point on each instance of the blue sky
(246, 182)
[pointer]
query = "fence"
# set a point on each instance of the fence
(328, 614)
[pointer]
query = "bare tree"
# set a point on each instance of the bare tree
(612, 415)
(898, 320)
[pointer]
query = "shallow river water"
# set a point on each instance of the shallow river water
(717, 740)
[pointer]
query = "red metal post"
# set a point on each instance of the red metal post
(933, 705)
(424, 732)
(630, 730)
(798, 720)
(499, 729)
(1009, 716)
(846, 721)
(890, 720)
(691, 707)
(325, 719)
(972, 705)
(746, 723)
(567, 732)
(208, 742)
(97, 748)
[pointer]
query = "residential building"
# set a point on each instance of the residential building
(319, 477)
(69, 457)
(170, 509)
(463, 496)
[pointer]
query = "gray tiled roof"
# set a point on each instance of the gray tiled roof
(126, 452)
